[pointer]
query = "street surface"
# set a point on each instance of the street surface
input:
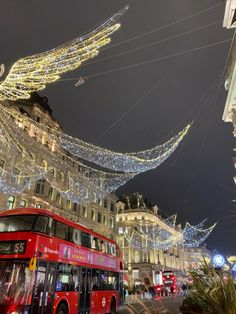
(164, 305)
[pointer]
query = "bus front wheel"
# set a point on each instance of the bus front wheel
(62, 309)
(113, 306)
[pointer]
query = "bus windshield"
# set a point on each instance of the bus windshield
(16, 223)
(16, 282)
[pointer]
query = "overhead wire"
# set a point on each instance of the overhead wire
(152, 60)
(150, 90)
(153, 43)
(204, 100)
(194, 170)
(164, 26)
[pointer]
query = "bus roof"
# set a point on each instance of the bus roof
(38, 211)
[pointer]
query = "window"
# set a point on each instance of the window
(111, 222)
(136, 257)
(10, 201)
(105, 202)
(60, 176)
(99, 200)
(67, 278)
(37, 119)
(95, 280)
(2, 162)
(50, 193)
(112, 280)
(27, 181)
(112, 207)
(68, 204)
(103, 246)
(16, 223)
(40, 186)
(96, 244)
(75, 236)
(85, 211)
(74, 207)
(104, 280)
(99, 217)
(23, 203)
(61, 230)
(37, 205)
(58, 199)
(109, 248)
(85, 239)
(104, 219)
(11, 274)
(120, 230)
(41, 224)
(93, 214)
(16, 173)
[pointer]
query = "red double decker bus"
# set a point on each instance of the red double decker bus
(51, 265)
(169, 280)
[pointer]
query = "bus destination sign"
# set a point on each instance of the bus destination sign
(12, 247)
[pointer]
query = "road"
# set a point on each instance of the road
(165, 305)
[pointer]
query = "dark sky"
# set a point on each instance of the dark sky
(197, 180)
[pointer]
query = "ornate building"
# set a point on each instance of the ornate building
(142, 262)
(229, 114)
(195, 257)
(99, 214)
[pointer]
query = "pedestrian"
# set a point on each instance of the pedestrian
(172, 290)
(124, 293)
(184, 288)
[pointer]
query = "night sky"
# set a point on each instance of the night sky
(197, 180)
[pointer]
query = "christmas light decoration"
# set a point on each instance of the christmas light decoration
(126, 162)
(136, 162)
(82, 183)
(193, 236)
(161, 236)
(171, 221)
(33, 73)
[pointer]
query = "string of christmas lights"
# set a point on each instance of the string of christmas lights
(157, 237)
(81, 184)
(135, 162)
(33, 73)
(171, 221)
(193, 236)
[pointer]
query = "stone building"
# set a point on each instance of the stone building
(142, 264)
(98, 214)
(229, 114)
(194, 257)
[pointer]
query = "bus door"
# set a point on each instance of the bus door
(85, 286)
(44, 288)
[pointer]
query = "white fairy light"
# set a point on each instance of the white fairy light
(136, 162)
(159, 237)
(33, 73)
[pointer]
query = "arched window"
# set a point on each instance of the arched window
(40, 186)
(60, 176)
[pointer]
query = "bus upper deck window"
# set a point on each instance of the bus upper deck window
(103, 247)
(96, 244)
(41, 224)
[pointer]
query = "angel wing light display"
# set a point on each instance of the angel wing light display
(34, 72)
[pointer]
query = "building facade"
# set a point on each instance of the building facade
(229, 114)
(194, 258)
(98, 214)
(142, 263)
